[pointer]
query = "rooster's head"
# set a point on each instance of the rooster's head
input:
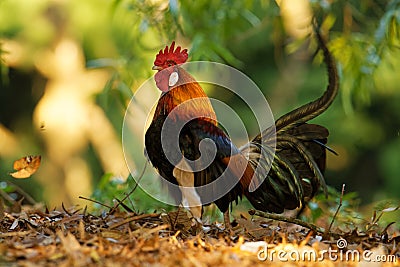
(165, 60)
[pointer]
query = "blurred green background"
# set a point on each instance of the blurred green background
(69, 69)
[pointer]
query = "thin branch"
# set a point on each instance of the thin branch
(123, 205)
(6, 197)
(26, 196)
(281, 218)
(19, 190)
(95, 201)
(65, 210)
(134, 218)
(337, 210)
(112, 209)
(316, 229)
(131, 192)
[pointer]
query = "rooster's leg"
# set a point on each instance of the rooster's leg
(190, 198)
(227, 220)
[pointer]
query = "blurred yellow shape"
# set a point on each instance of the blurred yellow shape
(297, 15)
(73, 120)
(8, 143)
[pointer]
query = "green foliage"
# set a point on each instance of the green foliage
(358, 51)
(212, 28)
(2, 67)
(389, 162)
(325, 208)
(388, 30)
(350, 215)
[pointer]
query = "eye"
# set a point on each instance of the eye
(170, 63)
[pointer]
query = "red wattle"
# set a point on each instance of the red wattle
(161, 79)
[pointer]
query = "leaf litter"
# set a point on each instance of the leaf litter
(36, 236)
(32, 235)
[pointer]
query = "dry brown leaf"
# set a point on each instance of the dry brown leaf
(26, 166)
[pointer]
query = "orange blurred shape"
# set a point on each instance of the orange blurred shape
(26, 166)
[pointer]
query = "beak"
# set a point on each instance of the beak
(156, 68)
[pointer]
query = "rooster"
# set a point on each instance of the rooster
(292, 175)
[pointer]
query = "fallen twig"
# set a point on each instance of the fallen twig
(134, 218)
(95, 201)
(278, 217)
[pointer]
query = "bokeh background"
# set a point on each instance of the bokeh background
(69, 69)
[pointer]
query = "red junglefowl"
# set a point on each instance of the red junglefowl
(297, 167)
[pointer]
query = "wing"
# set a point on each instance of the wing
(220, 167)
(219, 164)
(154, 152)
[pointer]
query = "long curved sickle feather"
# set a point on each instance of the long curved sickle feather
(316, 107)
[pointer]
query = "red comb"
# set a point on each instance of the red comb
(177, 56)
